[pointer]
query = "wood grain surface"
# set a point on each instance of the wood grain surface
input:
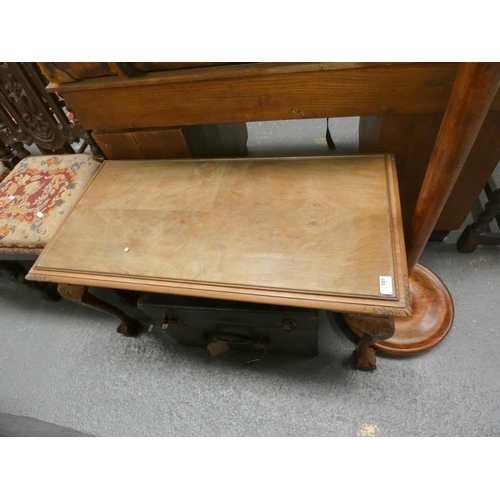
(197, 141)
(411, 139)
(143, 144)
(255, 93)
(297, 231)
(473, 92)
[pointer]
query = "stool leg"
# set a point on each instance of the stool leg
(471, 237)
(376, 329)
(81, 295)
(8, 156)
(21, 151)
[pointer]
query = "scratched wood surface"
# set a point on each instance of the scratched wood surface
(304, 229)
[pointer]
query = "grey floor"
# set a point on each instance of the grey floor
(64, 364)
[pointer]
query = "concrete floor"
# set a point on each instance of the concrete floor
(64, 364)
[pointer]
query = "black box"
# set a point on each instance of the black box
(241, 325)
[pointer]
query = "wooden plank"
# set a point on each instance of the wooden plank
(232, 96)
(118, 145)
(63, 72)
(158, 144)
(243, 70)
(148, 67)
(315, 231)
(201, 141)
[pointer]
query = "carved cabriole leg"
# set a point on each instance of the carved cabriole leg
(81, 295)
(375, 329)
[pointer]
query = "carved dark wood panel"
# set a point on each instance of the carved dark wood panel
(30, 115)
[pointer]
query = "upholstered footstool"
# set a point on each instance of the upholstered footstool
(34, 199)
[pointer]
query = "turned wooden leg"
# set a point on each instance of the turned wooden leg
(8, 156)
(376, 329)
(21, 150)
(81, 295)
(95, 150)
(472, 234)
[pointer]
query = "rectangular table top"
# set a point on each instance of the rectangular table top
(309, 232)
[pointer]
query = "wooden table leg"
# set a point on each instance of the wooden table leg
(372, 329)
(431, 319)
(80, 294)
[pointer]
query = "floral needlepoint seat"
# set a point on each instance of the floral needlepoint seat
(37, 195)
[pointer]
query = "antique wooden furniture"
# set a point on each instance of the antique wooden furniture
(148, 140)
(31, 115)
(473, 92)
(411, 139)
(401, 106)
(479, 232)
(63, 72)
(34, 199)
(415, 94)
(321, 233)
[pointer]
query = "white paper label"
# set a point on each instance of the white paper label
(39, 214)
(12, 197)
(385, 285)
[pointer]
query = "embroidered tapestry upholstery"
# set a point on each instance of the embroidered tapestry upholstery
(37, 194)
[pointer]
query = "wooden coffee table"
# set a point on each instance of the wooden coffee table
(316, 232)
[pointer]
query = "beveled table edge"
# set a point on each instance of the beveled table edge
(400, 305)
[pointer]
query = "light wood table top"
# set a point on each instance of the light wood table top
(307, 232)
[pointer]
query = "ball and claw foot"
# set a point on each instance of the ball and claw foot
(375, 329)
(366, 360)
(127, 326)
